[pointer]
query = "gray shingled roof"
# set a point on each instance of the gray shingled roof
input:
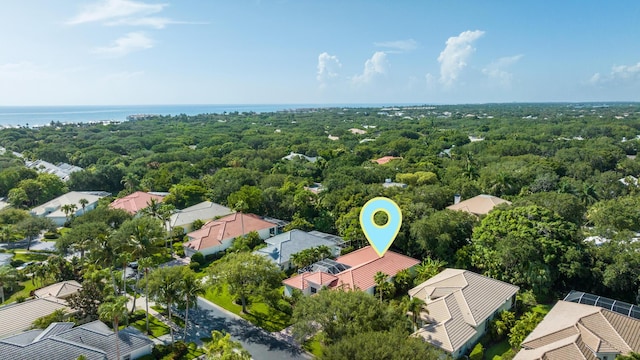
(282, 246)
(61, 342)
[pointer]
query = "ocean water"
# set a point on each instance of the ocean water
(44, 115)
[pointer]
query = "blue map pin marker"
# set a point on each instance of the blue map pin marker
(380, 236)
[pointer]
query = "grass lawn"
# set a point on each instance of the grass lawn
(156, 327)
(497, 350)
(23, 289)
(29, 256)
(260, 314)
(313, 346)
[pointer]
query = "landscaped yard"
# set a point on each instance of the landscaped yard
(313, 346)
(496, 351)
(25, 256)
(156, 327)
(260, 314)
(21, 291)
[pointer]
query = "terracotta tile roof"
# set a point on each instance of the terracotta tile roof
(135, 202)
(364, 264)
(589, 329)
(478, 205)
(215, 232)
(385, 159)
(458, 302)
(301, 281)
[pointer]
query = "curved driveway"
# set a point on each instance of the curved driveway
(261, 344)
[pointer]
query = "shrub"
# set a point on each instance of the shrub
(159, 351)
(179, 349)
(178, 249)
(51, 235)
(477, 353)
(194, 266)
(198, 258)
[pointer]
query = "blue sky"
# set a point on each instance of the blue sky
(317, 52)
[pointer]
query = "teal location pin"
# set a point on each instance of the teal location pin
(380, 236)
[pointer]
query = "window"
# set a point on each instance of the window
(314, 290)
(127, 357)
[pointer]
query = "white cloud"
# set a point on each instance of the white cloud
(378, 64)
(619, 73)
(133, 41)
(455, 54)
(399, 45)
(120, 10)
(497, 70)
(328, 67)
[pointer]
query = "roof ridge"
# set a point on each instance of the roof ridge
(608, 323)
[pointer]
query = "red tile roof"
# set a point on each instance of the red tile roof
(301, 281)
(365, 263)
(386, 159)
(135, 202)
(215, 232)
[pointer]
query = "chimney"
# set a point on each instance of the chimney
(456, 198)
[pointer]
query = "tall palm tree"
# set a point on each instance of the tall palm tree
(381, 279)
(241, 206)
(164, 284)
(114, 310)
(190, 288)
(130, 182)
(83, 203)
(8, 278)
(145, 263)
(416, 307)
(6, 233)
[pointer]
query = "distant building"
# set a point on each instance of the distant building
(53, 209)
(204, 211)
(62, 170)
(61, 340)
(388, 184)
(385, 159)
(134, 203)
(357, 131)
(293, 155)
(478, 205)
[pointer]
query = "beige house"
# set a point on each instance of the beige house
(460, 303)
(578, 331)
(61, 290)
(478, 205)
(19, 317)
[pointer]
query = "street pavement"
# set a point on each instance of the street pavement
(260, 343)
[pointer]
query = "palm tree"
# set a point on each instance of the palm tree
(416, 307)
(130, 182)
(8, 279)
(381, 279)
(114, 310)
(222, 347)
(190, 288)
(164, 284)
(241, 206)
(6, 233)
(83, 203)
(145, 263)
(429, 268)
(66, 209)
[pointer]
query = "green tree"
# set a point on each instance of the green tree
(250, 195)
(428, 268)
(145, 264)
(115, 311)
(383, 287)
(190, 288)
(340, 314)
(525, 325)
(33, 226)
(415, 307)
(523, 246)
(43, 322)
(8, 279)
(244, 275)
(391, 345)
(442, 233)
(164, 284)
(222, 347)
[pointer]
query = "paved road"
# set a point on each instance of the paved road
(261, 344)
